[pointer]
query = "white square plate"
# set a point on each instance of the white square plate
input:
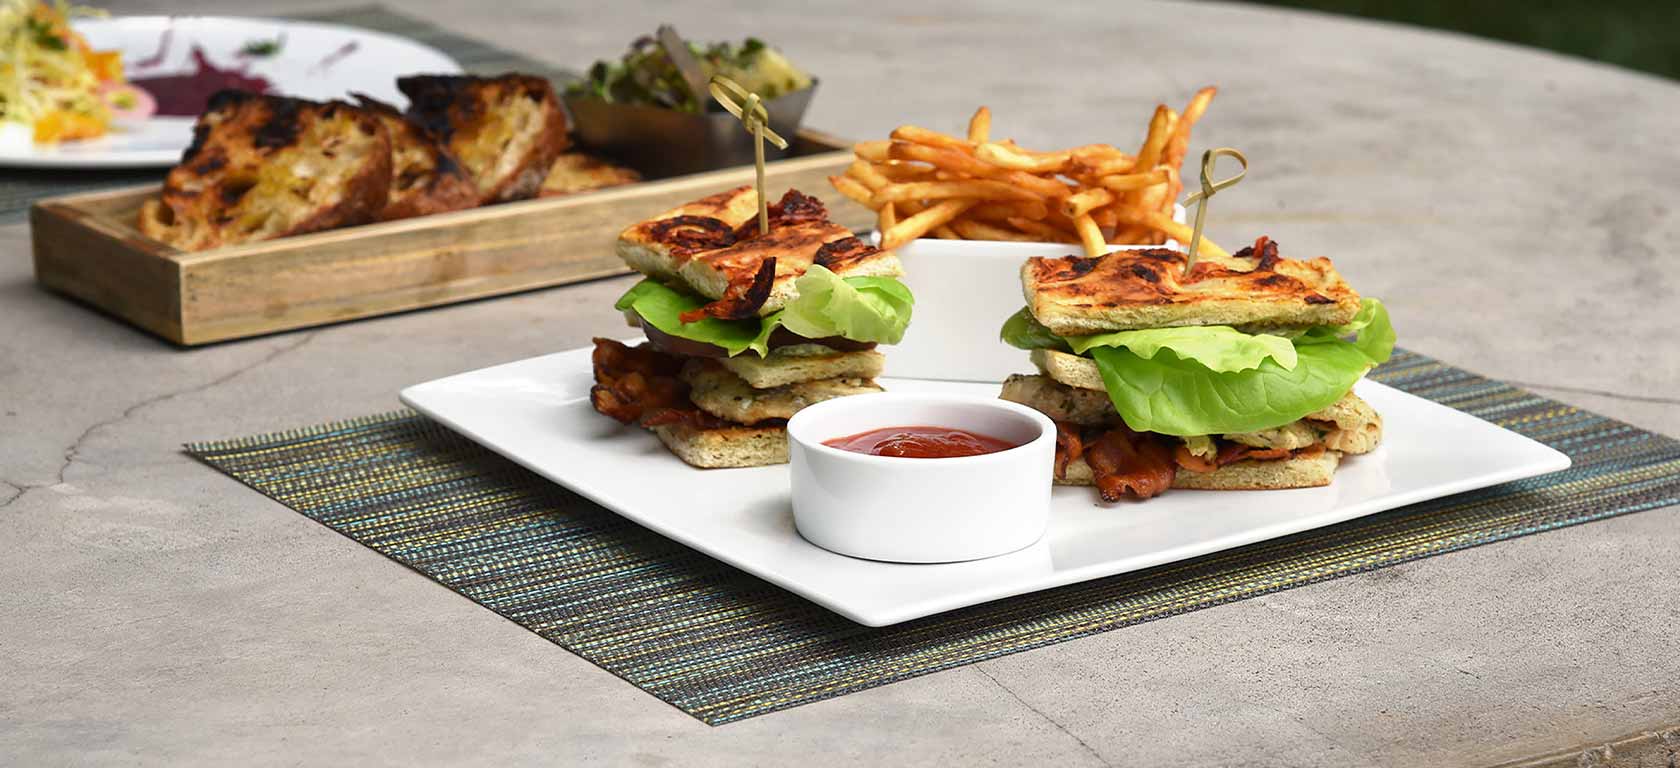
(537, 413)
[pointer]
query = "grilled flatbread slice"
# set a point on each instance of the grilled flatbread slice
(575, 172)
(710, 247)
(262, 167)
(804, 362)
(725, 447)
(1309, 469)
(505, 130)
(723, 394)
(425, 177)
(1129, 290)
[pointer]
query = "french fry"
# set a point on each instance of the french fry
(1079, 204)
(980, 125)
(886, 218)
(1156, 141)
(923, 183)
(1180, 141)
(937, 190)
(867, 174)
(1128, 182)
(1180, 232)
(936, 215)
(853, 189)
(1014, 159)
(918, 135)
(1003, 211)
(1091, 235)
(946, 233)
(963, 164)
(873, 151)
(1042, 232)
(980, 230)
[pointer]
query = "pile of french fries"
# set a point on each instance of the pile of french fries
(923, 182)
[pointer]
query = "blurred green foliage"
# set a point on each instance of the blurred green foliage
(1637, 35)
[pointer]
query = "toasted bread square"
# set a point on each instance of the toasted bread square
(725, 447)
(1129, 290)
(505, 130)
(262, 167)
(575, 172)
(804, 362)
(717, 391)
(1305, 470)
(425, 177)
(710, 271)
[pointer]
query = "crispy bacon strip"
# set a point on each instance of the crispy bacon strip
(739, 301)
(1069, 447)
(1126, 462)
(1184, 458)
(634, 384)
(1263, 249)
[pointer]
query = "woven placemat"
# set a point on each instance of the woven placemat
(723, 645)
(20, 188)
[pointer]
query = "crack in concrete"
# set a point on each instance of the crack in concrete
(73, 452)
(1599, 392)
(1035, 710)
(17, 492)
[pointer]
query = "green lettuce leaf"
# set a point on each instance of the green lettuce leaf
(859, 308)
(1023, 331)
(1373, 333)
(1173, 396)
(1219, 347)
(1187, 384)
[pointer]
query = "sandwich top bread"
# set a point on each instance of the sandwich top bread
(262, 167)
(1236, 376)
(745, 327)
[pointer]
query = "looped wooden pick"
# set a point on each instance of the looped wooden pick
(749, 109)
(1209, 187)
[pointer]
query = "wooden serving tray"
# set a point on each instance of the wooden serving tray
(87, 246)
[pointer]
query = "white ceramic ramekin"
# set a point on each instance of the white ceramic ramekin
(964, 290)
(921, 510)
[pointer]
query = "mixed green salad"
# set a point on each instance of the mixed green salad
(645, 75)
(1215, 380)
(867, 309)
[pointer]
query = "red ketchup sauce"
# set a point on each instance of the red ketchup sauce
(920, 443)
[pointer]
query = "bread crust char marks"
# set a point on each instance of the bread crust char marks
(507, 131)
(262, 167)
(1128, 290)
(425, 177)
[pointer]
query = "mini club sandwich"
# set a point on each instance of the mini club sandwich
(745, 328)
(1237, 376)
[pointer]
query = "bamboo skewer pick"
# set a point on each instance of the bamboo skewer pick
(1209, 187)
(746, 106)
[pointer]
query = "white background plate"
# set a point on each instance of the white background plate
(537, 413)
(296, 70)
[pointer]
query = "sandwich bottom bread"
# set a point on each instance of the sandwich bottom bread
(724, 412)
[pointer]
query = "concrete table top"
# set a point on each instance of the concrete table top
(1516, 210)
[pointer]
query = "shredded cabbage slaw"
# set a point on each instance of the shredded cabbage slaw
(50, 78)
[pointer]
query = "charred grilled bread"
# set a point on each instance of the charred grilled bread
(262, 167)
(505, 130)
(425, 177)
(1129, 290)
(712, 247)
(575, 172)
